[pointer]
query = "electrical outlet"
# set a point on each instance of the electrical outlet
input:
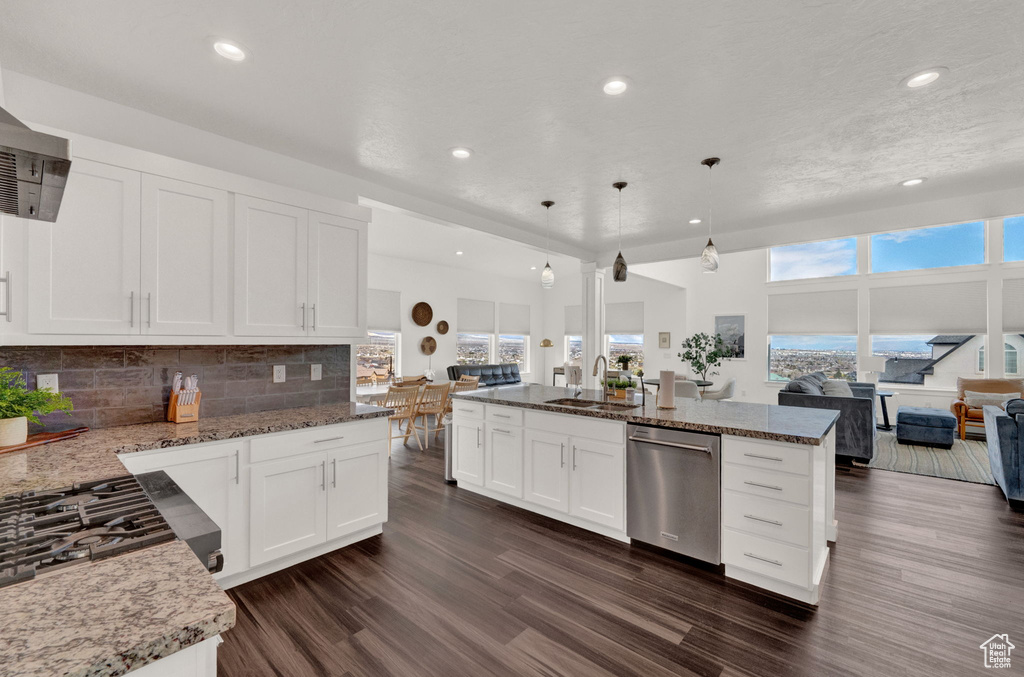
(47, 382)
(316, 372)
(743, 393)
(278, 373)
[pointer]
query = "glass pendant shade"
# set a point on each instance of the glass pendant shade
(619, 269)
(547, 277)
(709, 257)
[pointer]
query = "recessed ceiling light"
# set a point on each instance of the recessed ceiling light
(694, 221)
(533, 267)
(615, 86)
(231, 51)
(458, 253)
(925, 77)
(913, 182)
(461, 153)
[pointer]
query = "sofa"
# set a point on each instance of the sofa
(490, 374)
(1004, 434)
(967, 415)
(855, 429)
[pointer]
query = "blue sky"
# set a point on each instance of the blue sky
(958, 245)
(1013, 239)
(814, 259)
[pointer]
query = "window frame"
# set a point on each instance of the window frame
(1008, 350)
(565, 350)
(524, 368)
(608, 351)
(768, 357)
(984, 227)
(397, 361)
(490, 346)
(796, 280)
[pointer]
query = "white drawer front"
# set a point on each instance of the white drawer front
(319, 438)
(768, 558)
(504, 415)
(766, 517)
(464, 409)
(794, 458)
(782, 486)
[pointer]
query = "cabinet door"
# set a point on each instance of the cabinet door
(503, 459)
(546, 476)
(468, 460)
(287, 507)
(337, 276)
(271, 250)
(598, 478)
(357, 495)
(184, 258)
(83, 275)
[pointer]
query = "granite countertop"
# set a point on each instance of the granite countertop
(105, 618)
(797, 425)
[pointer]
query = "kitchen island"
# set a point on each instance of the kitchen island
(543, 450)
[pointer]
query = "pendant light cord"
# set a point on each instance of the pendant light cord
(620, 219)
(711, 202)
(547, 235)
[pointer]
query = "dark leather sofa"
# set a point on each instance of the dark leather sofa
(490, 374)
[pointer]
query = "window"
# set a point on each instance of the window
(512, 349)
(792, 356)
(1013, 239)
(980, 368)
(379, 356)
(625, 344)
(574, 350)
(908, 354)
(814, 259)
(473, 348)
(937, 247)
(1014, 344)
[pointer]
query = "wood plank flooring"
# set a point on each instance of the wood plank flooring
(924, 571)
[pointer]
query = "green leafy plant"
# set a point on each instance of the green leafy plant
(623, 361)
(16, 400)
(703, 353)
(619, 383)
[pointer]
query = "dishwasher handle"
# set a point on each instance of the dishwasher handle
(677, 445)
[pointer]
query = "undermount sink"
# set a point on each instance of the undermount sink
(616, 406)
(592, 404)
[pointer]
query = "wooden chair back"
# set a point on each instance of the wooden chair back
(413, 380)
(469, 379)
(461, 386)
(402, 400)
(433, 398)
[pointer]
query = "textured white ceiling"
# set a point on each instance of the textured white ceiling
(799, 98)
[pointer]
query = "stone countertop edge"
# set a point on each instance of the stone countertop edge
(811, 425)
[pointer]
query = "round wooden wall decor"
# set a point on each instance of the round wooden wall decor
(442, 327)
(428, 345)
(422, 313)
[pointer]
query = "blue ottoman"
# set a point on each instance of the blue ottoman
(926, 427)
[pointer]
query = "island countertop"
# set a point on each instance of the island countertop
(796, 425)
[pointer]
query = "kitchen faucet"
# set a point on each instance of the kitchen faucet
(604, 381)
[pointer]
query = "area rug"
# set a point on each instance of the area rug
(967, 461)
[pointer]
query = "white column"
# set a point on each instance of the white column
(995, 351)
(593, 320)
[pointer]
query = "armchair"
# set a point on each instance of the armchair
(974, 416)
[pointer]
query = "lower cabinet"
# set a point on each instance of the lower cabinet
(503, 459)
(468, 451)
(547, 475)
(357, 497)
(598, 482)
(287, 507)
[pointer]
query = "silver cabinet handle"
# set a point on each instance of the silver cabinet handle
(763, 559)
(303, 306)
(131, 309)
(763, 519)
(238, 467)
(149, 311)
(323, 475)
(763, 486)
(334, 473)
(574, 457)
(478, 438)
(499, 430)
(329, 439)
(10, 295)
(562, 454)
(501, 416)
(314, 317)
(767, 458)
(466, 411)
(677, 445)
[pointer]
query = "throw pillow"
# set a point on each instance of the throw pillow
(818, 376)
(805, 385)
(837, 388)
(976, 400)
(1014, 407)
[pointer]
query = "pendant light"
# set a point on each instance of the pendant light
(547, 276)
(619, 269)
(709, 257)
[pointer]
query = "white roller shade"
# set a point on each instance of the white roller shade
(820, 312)
(624, 318)
(955, 308)
(1013, 306)
(513, 318)
(476, 316)
(383, 310)
(574, 320)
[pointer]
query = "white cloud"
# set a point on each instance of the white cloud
(902, 236)
(817, 259)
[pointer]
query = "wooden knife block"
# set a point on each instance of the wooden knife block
(184, 413)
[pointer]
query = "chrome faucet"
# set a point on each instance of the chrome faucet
(604, 381)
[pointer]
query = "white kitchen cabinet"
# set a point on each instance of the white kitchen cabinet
(83, 269)
(357, 495)
(185, 231)
(337, 276)
(597, 482)
(271, 268)
(468, 451)
(503, 459)
(546, 472)
(287, 506)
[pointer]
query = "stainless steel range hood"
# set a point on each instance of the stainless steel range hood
(33, 170)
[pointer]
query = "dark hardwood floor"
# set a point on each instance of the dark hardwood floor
(924, 571)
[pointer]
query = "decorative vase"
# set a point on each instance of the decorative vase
(13, 431)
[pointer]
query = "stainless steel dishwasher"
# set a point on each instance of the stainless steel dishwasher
(673, 491)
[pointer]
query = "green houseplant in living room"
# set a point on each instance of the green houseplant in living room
(19, 405)
(703, 352)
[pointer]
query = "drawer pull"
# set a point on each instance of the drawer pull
(763, 519)
(763, 486)
(501, 416)
(466, 411)
(499, 430)
(766, 458)
(763, 559)
(329, 439)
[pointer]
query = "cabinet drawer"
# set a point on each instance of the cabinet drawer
(504, 415)
(320, 438)
(782, 486)
(765, 517)
(464, 409)
(794, 458)
(768, 558)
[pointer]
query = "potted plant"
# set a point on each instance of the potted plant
(617, 388)
(19, 405)
(623, 361)
(703, 353)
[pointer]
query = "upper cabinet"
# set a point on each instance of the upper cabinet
(337, 276)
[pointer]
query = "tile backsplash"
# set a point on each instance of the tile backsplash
(121, 385)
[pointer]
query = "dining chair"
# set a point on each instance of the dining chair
(411, 380)
(465, 378)
(403, 401)
(726, 392)
(460, 386)
(687, 389)
(432, 402)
